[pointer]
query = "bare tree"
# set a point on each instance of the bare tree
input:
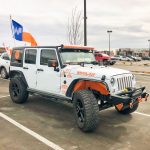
(75, 33)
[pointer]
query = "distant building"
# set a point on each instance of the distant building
(2, 49)
(134, 52)
(141, 52)
(125, 51)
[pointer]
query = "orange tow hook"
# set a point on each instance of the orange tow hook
(139, 99)
(119, 106)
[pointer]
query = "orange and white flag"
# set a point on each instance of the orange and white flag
(20, 34)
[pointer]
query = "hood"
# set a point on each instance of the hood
(94, 71)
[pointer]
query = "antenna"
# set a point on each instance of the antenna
(12, 30)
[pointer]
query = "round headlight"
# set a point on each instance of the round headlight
(112, 81)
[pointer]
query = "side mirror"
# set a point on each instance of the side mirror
(52, 63)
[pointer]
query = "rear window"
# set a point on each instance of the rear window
(30, 56)
(17, 58)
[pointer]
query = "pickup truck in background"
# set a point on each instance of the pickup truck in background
(104, 58)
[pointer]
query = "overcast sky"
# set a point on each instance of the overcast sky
(47, 21)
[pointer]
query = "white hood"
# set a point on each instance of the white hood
(95, 71)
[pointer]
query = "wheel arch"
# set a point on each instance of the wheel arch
(2, 67)
(19, 74)
(83, 84)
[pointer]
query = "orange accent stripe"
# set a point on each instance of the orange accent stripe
(27, 37)
(78, 47)
(97, 86)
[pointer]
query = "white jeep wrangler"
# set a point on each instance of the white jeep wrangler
(71, 73)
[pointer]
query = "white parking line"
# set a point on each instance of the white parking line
(4, 96)
(143, 114)
(32, 133)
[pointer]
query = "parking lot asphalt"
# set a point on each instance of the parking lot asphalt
(54, 121)
(139, 67)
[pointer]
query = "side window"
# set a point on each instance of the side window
(46, 55)
(17, 57)
(30, 56)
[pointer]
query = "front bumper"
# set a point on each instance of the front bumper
(130, 96)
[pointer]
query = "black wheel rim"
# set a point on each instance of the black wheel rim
(80, 111)
(15, 90)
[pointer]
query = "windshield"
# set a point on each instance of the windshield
(77, 57)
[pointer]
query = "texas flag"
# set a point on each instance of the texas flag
(20, 34)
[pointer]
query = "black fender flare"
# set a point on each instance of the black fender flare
(2, 67)
(74, 82)
(14, 74)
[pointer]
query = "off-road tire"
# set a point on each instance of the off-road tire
(89, 110)
(128, 110)
(4, 74)
(18, 90)
(105, 62)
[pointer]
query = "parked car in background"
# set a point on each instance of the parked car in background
(125, 58)
(116, 57)
(146, 58)
(104, 58)
(4, 65)
(135, 58)
(122, 58)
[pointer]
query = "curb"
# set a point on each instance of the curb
(140, 73)
(144, 72)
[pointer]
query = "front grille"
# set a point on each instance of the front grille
(124, 82)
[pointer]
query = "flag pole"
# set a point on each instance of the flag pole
(12, 30)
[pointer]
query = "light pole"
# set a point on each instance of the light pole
(85, 24)
(149, 47)
(109, 32)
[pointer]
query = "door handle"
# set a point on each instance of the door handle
(25, 68)
(40, 70)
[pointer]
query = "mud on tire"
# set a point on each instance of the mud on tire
(86, 110)
(18, 90)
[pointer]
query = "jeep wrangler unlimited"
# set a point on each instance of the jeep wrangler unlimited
(71, 73)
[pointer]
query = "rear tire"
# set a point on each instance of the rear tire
(4, 73)
(86, 110)
(128, 110)
(18, 90)
(105, 62)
